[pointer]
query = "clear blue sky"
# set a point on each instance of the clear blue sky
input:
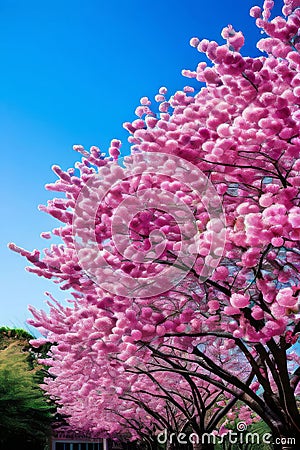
(72, 71)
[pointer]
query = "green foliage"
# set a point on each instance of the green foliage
(25, 412)
(17, 333)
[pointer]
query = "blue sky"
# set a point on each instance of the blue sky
(72, 71)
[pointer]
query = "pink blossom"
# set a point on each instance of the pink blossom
(255, 386)
(277, 241)
(136, 334)
(257, 313)
(286, 298)
(234, 39)
(231, 310)
(255, 12)
(239, 300)
(294, 217)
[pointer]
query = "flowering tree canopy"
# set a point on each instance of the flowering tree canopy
(185, 256)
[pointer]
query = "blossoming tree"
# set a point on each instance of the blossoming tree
(188, 251)
(136, 396)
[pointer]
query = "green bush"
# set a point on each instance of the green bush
(25, 412)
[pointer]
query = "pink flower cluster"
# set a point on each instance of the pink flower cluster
(223, 325)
